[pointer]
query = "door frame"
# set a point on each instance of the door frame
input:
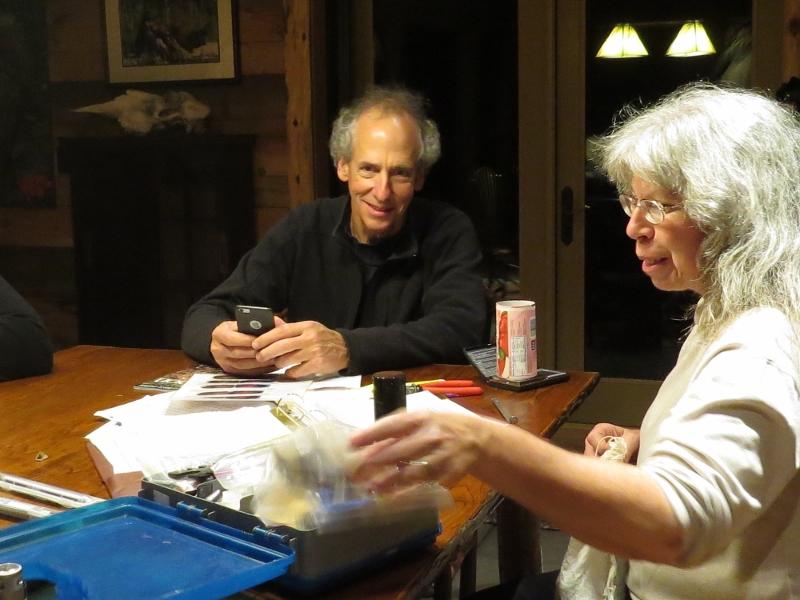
(552, 163)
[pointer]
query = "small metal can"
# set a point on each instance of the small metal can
(12, 587)
(516, 339)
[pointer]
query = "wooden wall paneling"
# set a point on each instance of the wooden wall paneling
(536, 24)
(768, 44)
(270, 156)
(254, 105)
(76, 40)
(299, 125)
(262, 29)
(262, 58)
(270, 167)
(44, 228)
(268, 216)
(271, 192)
(46, 278)
(320, 109)
(257, 105)
(791, 40)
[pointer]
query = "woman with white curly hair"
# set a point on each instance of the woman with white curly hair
(707, 501)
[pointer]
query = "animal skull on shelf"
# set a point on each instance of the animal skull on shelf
(141, 112)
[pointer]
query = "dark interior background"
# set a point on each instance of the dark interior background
(632, 329)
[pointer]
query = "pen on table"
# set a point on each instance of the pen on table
(412, 383)
(451, 388)
(501, 408)
(24, 510)
(42, 491)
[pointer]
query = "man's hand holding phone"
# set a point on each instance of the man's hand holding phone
(258, 342)
(254, 320)
(232, 341)
(308, 347)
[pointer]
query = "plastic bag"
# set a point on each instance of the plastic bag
(246, 469)
(306, 484)
(588, 573)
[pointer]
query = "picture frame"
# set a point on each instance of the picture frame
(150, 41)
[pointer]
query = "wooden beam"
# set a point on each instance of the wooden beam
(299, 125)
(791, 39)
(768, 44)
(537, 166)
(45, 228)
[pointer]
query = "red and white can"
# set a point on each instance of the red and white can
(516, 339)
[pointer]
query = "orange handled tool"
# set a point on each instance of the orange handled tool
(453, 388)
(449, 383)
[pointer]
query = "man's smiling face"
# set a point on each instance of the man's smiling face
(382, 174)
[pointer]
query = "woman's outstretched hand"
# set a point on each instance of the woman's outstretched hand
(407, 448)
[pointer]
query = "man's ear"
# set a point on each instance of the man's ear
(343, 170)
(419, 180)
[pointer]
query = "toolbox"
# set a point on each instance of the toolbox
(321, 559)
(133, 548)
(168, 544)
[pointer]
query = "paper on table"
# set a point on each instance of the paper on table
(350, 382)
(144, 437)
(357, 409)
(144, 408)
(205, 387)
(160, 443)
(106, 438)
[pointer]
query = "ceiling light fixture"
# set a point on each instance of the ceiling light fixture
(622, 42)
(692, 40)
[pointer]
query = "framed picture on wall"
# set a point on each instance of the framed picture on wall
(157, 41)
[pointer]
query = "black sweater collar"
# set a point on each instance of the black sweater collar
(402, 246)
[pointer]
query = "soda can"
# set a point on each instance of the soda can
(516, 339)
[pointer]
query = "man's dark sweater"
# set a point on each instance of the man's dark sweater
(25, 348)
(414, 299)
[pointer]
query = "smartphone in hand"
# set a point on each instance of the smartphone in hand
(254, 320)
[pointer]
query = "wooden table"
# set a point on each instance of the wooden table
(52, 414)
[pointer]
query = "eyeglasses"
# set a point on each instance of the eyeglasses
(654, 211)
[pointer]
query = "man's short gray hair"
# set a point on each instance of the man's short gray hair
(733, 157)
(391, 101)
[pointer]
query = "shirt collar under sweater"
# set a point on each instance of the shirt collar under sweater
(402, 246)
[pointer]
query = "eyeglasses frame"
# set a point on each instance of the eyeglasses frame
(631, 203)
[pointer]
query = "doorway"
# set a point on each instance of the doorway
(608, 316)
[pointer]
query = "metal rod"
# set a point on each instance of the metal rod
(46, 492)
(503, 410)
(24, 510)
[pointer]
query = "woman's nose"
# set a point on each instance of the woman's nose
(638, 226)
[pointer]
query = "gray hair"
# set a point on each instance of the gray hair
(391, 101)
(733, 157)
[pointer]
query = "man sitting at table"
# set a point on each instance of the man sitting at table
(366, 281)
(25, 349)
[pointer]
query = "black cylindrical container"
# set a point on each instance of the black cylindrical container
(388, 392)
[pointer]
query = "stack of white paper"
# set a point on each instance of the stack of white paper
(141, 436)
(177, 430)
